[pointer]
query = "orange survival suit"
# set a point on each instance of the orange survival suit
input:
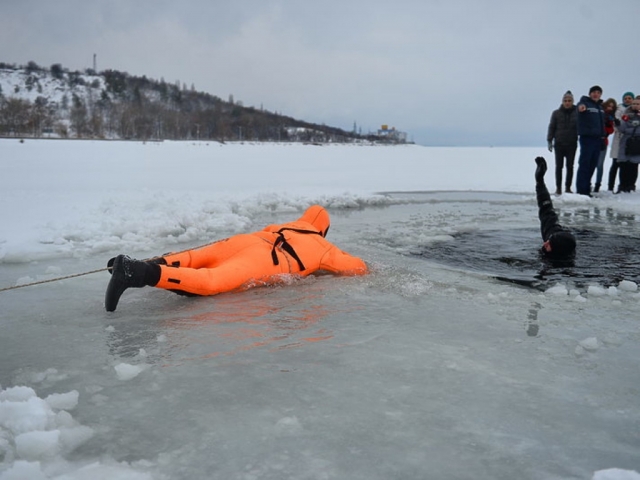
(259, 258)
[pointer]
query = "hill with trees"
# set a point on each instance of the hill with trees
(55, 102)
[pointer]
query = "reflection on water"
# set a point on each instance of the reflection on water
(513, 255)
(532, 320)
(240, 324)
(601, 216)
(227, 324)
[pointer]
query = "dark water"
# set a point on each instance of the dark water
(601, 258)
(497, 234)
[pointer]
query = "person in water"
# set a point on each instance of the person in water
(559, 242)
(238, 262)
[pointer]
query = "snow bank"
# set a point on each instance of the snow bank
(37, 434)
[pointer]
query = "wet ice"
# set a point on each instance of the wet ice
(420, 370)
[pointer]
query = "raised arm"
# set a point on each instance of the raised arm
(547, 215)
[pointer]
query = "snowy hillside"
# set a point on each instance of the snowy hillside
(57, 91)
(37, 102)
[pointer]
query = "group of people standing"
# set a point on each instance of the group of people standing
(590, 123)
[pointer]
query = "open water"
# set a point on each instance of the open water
(608, 247)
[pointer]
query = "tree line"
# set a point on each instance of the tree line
(115, 105)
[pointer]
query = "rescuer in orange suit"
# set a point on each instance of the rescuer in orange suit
(239, 262)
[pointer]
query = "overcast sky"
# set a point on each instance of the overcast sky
(448, 72)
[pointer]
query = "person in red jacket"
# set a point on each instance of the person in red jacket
(239, 262)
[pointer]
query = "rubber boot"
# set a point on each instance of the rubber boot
(156, 260)
(127, 272)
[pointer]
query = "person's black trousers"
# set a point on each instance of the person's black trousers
(562, 152)
(613, 173)
(628, 176)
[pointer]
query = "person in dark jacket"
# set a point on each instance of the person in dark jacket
(590, 122)
(562, 135)
(609, 107)
(559, 242)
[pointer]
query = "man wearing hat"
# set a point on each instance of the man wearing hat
(563, 136)
(559, 242)
(590, 122)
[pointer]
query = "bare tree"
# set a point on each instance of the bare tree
(78, 117)
(14, 116)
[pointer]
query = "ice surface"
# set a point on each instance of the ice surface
(616, 474)
(628, 286)
(124, 371)
(418, 370)
(67, 401)
(38, 445)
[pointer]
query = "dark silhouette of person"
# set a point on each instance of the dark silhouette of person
(559, 242)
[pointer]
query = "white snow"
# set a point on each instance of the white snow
(596, 291)
(616, 474)
(80, 202)
(628, 286)
(125, 371)
(590, 344)
(559, 290)
(46, 86)
(38, 445)
(33, 435)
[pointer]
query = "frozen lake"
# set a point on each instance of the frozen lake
(426, 368)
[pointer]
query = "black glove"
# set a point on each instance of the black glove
(616, 121)
(541, 169)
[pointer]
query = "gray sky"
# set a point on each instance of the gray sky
(448, 72)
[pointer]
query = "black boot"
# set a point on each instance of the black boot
(127, 272)
(156, 260)
(597, 189)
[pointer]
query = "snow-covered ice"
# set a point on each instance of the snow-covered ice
(417, 370)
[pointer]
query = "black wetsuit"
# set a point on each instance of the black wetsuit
(548, 217)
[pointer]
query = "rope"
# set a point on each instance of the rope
(40, 282)
(51, 280)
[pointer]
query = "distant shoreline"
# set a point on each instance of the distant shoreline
(233, 142)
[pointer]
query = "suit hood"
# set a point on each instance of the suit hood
(318, 217)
